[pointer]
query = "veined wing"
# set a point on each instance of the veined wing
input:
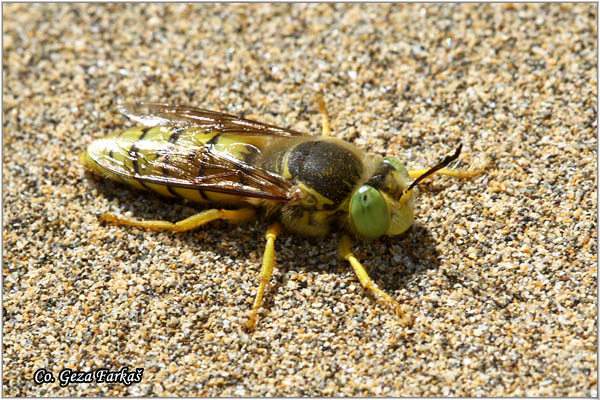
(153, 114)
(198, 167)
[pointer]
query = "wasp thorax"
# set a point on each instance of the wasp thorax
(326, 167)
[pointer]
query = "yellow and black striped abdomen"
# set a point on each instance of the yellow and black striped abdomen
(169, 152)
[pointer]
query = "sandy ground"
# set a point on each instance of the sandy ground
(498, 272)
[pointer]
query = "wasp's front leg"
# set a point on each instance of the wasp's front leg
(326, 129)
(366, 282)
(458, 173)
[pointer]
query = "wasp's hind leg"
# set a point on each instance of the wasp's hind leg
(266, 272)
(193, 222)
(366, 282)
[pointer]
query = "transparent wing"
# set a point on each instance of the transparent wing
(198, 167)
(153, 114)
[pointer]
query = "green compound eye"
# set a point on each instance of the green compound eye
(398, 166)
(369, 212)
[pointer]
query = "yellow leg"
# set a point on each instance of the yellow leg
(266, 272)
(454, 173)
(366, 282)
(324, 116)
(193, 222)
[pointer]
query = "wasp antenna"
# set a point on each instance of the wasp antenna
(447, 160)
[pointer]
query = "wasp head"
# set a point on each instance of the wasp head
(384, 204)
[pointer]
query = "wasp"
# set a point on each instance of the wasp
(307, 185)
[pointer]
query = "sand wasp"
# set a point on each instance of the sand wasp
(308, 185)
